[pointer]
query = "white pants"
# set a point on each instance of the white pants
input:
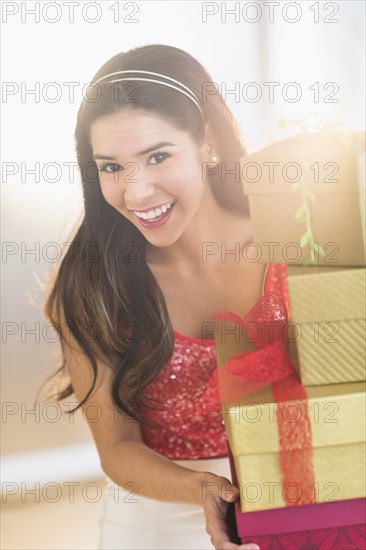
(133, 522)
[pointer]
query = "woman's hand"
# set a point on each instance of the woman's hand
(216, 497)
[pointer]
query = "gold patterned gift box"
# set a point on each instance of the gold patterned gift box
(306, 191)
(337, 414)
(337, 422)
(327, 329)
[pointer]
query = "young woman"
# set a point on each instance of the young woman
(158, 252)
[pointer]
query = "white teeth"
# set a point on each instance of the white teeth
(152, 214)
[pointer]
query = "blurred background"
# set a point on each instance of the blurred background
(271, 61)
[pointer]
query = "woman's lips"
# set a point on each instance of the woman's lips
(157, 222)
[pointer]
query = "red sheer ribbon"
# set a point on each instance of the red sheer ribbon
(265, 326)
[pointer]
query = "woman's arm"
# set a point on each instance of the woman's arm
(152, 475)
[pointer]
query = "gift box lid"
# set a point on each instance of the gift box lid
(336, 172)
(337, 414)
(325, 294)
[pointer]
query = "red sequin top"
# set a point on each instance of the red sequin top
(189, 422)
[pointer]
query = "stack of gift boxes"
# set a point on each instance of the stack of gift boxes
(307, 203)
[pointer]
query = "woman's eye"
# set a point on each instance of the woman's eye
(110, 167)
(159, 156)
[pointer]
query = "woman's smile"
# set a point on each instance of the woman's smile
(156, 217)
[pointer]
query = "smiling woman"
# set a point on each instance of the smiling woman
(153, 198)
(167, 174)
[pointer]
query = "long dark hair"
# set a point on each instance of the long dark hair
(104, 289)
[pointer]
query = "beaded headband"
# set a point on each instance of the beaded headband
(188, 93)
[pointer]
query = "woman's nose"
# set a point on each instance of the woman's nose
(138, 188)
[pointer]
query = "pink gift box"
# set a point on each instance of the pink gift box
(350, 537)
(326, 525)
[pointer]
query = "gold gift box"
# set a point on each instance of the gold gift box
(305, 190)
(337, 414)
(328, 325)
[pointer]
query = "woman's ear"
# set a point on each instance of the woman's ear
(210, 144)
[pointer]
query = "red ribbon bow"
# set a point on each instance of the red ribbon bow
(266, 325)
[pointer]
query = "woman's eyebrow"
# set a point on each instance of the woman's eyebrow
(140, 153)
(156, 146)
(99, 157)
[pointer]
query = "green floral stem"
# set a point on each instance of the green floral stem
(303, 215)
(308, 225)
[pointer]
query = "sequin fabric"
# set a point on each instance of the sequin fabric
(189, 422)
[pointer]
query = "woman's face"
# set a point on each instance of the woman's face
(151, 172)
